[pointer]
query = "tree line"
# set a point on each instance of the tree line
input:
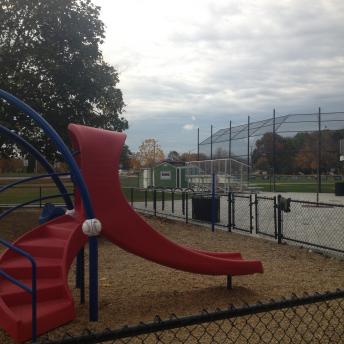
(299, 153)
(150, 153)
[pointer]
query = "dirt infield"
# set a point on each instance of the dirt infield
(133, 289)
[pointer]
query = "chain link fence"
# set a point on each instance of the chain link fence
(282, 147)
(309, 224)
(317, 318)
(266, 216)
(312, 224)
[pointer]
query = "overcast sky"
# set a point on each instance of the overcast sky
(186, 64)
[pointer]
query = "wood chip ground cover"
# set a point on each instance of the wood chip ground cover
(133, 289)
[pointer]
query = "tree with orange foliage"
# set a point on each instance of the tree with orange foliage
(149, 153)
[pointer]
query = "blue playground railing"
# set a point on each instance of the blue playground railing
(21, 205)
(61, 146)
(24, 180)
(41, 159)
(80, 184)
(32, 290)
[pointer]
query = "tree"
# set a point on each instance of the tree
(134, 162)
(50, 57)
(124, 160)
(192, 156)
(149, 153)
(307, 156)
(262, 156)
(220, 153)
(173, 155)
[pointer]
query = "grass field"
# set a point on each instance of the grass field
(295, 183)
(45, 187)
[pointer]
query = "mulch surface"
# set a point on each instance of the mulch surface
(133, 289)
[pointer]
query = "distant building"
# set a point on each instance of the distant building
(167, 174)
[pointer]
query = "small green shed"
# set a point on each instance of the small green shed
(169, 174)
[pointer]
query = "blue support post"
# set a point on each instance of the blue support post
(93, 278)
(213, 203)
(80, 274)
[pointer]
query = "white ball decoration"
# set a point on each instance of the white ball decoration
(92, 227)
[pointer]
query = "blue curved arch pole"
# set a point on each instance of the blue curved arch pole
(42, 160)
(80, 183)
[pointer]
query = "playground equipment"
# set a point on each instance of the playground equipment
(231, 174)
(34, 292)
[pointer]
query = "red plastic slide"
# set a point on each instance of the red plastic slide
(55, 244)
(98, 159)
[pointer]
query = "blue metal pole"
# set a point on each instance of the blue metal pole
(80, 274)
(34, 301)
(213, 203)
(93, 278)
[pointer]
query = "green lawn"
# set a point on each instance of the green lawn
(45, 187)
(129, 181)
(22, 194)
(26, 192)
(295, 183)
(294, 187)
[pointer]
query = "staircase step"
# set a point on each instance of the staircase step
(44, 247)
(8, 288)
(57, 231)
(19, 296)
(50, 314)
(47, 244)
(21, 268)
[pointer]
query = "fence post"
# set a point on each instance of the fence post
(256, 213)
(279, 220)
(146, 198)
(230, 142)
(197, 144)
(132, 196)
(229, 200)
(186, 207)
(213, 204)
(251, 214)
(233, 210)
(172, 197)
(183, 203)
(248, 150)
(154, 201)
(40, 197)
(274, 150)
(319, 156)
(275, 216)
(211, 142)
(162, 200)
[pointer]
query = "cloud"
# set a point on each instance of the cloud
(222, 60)
(188, 126)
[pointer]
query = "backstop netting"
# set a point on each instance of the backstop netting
(231, 174)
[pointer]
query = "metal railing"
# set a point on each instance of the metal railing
(80, 184)
(310, 224)
(32, 290)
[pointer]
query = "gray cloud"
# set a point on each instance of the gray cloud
(236, 58)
